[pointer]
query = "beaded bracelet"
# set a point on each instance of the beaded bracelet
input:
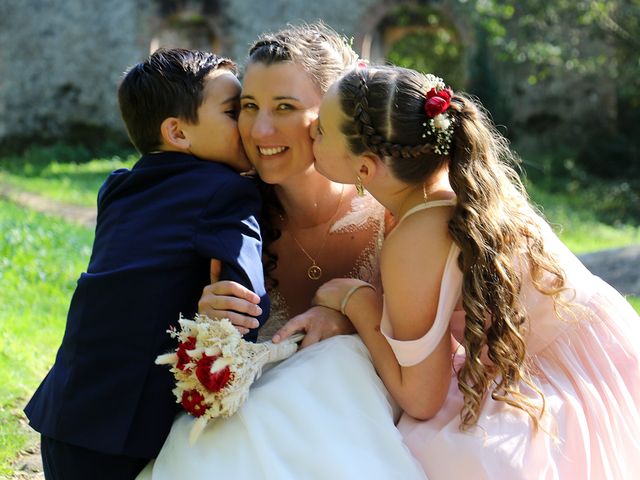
(351, 291)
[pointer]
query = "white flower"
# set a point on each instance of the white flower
(196, 353)
(167, 359)
(187, 325)
(441, 121)
(220, 364)
(431, 81)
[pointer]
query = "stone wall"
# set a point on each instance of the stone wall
(343, 16)
(61, 60)
(60, 63)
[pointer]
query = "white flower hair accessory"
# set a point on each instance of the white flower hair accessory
(433, 82)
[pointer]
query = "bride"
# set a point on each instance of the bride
(322, 413)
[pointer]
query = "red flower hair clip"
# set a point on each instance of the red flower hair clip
(438, 101)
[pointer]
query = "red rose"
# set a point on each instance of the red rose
(183, 356)
(193, 402)
(437, 102)
(214, 382)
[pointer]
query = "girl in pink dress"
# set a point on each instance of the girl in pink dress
(508, 357)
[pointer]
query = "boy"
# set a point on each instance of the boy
(104, 409)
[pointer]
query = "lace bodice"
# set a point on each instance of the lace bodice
(365, 214)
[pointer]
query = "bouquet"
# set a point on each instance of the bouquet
(214, 367)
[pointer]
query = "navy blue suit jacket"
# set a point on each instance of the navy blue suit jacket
(158, 226)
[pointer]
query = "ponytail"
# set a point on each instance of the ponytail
(495, 228)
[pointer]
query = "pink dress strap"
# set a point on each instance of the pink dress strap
(412, 352)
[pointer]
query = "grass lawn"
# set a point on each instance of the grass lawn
(574, 220)
(63, 173)
(41, 258)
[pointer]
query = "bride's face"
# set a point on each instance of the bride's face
(333, 158)
(278, 105)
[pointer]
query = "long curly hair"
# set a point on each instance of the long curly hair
(493, 223)
(324, 55)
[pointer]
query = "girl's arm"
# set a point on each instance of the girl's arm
(412, 264)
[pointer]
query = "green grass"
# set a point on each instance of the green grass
(589, 213)
(40, 259)
(575, 222)
(635, 302)
(63, 173)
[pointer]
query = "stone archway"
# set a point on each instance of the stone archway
(395, 31)
(193, 24)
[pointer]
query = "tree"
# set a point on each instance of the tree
(580, 36)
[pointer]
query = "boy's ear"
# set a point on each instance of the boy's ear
(172, 133)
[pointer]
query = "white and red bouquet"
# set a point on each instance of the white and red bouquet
(214, 367)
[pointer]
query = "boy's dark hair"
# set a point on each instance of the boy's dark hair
(170, 83)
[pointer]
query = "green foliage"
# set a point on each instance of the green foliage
(70, 174)
(431, 45)
(580, 227)
(597, 40)
(549, 34)
(40, 260)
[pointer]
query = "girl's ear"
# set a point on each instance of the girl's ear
(173, 135)
(369, 166)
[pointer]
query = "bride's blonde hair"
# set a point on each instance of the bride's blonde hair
(493, 223)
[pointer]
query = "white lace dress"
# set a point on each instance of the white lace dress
(365, 214)
(321, 414)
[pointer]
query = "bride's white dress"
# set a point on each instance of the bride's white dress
(321, 414)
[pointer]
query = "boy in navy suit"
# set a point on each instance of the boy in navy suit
(105, 409)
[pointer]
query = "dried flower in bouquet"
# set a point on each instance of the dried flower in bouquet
(214, 367)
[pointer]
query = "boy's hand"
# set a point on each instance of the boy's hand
(227, 299)
(214, 270)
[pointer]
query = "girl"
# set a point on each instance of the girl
(508, 357)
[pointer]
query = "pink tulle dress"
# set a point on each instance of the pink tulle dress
(585, 360)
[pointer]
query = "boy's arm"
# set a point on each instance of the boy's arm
(228, 231)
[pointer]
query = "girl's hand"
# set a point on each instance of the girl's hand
(318, 323)
(226, 299)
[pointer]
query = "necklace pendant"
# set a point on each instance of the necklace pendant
(314, 272)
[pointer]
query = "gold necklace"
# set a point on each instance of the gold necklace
(314, 272)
